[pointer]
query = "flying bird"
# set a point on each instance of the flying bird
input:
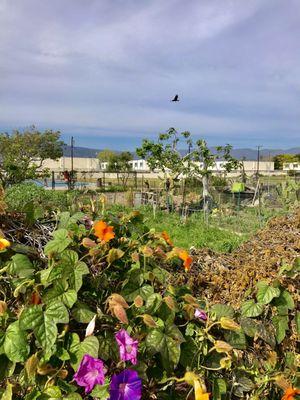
(176, 98)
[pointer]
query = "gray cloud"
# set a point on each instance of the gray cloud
(109, 67)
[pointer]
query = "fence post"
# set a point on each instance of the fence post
(52, 180)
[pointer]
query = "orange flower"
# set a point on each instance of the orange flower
(103, 231)
(186, 258)
(290, 393)
(167, 238)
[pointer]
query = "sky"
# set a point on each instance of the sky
(105, 71)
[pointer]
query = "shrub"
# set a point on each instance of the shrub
(28, 196)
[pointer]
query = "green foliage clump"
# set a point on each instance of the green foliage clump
(118, 273)
(29, 197)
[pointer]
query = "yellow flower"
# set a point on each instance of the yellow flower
(4, 244)
(198, 384)
(103, 231)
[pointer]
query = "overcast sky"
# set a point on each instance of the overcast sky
(105, 70)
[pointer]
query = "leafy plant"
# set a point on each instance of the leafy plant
(67, 311)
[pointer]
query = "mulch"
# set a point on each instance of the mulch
(229, 278)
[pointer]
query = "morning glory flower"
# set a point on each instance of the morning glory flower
(128, 347)
(90, 373)
(200, 314)
(126, 386)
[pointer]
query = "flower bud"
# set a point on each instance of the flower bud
(88, 243)
(4, 244)
(222, 347)
(3, 308)
(149, 321)
(170, 302)
(138, 301)
(225, 362)
(230, 324)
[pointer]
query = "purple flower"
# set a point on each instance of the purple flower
(90, 373)
(126, 386)
(200, 314)
(128, 347)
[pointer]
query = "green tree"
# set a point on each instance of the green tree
(118, 163)
(106, 155)
(22, 154)
(197, 162)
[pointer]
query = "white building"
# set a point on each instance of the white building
(82, 164)
(294, 166)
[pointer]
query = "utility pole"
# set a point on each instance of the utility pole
(72, 164)
(258, 159)
(258, 184)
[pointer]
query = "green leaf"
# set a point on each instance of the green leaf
(101, 392)
(21, 266)
(82, 313)
(69, 298)
(114, 254)
(73, 396)
(57, 311)
(69, 257)
(108, 347)
(251, 309)
(31, 317)
(266, 293)
(167, 343)
(75, 275)
(161, 275)
(236, 339)
(222, 310)
(285, 300)
(189, 353)
(219, 388)
(153, 302)
(243, 384)
(267, 333)
(33, 395)
(249, 326)
(16, 346)
(51, 393)
(130, 293)
(59, 292)
(89, 345)
(281, 323)
(60, 242)
(43, 323)
(66, 220)
(7, 395)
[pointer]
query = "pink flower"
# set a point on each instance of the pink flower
(128, 347)
(200, 314)
(90, 373)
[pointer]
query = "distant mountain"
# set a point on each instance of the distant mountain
(81, 152)
(248, 154)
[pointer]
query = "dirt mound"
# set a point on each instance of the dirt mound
(226, 278)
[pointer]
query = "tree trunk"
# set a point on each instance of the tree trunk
(206, 197)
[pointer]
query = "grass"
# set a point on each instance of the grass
(222, 234)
